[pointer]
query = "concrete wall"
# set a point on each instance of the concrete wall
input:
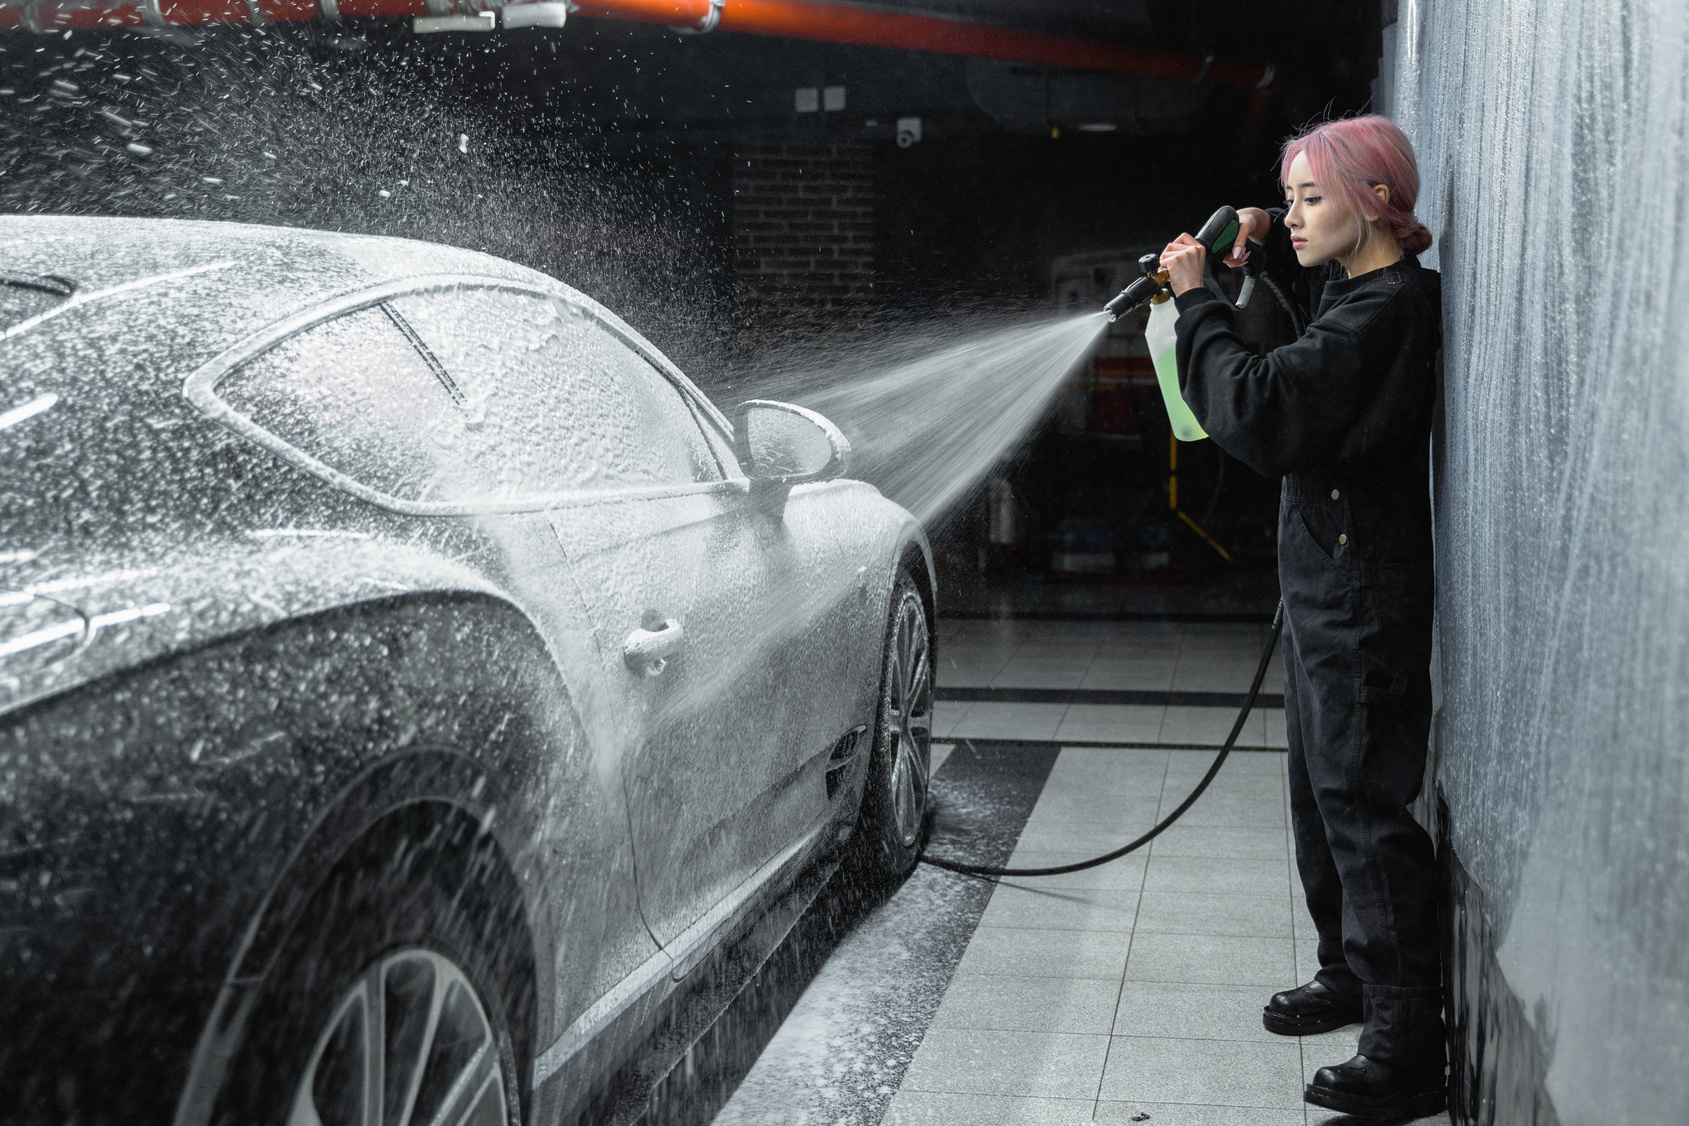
(1553, 141)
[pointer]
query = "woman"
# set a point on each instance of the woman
(1344, 416)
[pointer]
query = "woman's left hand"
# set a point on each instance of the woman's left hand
(1183, 260)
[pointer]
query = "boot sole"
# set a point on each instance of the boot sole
(1417, 1104)
(1306, 1026)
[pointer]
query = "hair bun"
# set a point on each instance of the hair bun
(1418, 240)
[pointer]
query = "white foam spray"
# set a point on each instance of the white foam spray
(947, 408)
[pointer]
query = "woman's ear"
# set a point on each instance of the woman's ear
(1382, 192)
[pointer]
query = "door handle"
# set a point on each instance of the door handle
(647, 651)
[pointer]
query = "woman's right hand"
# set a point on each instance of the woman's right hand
(1252, 224)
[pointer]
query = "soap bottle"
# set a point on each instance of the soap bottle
(1160, 337)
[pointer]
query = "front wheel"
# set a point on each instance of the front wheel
(894, 801)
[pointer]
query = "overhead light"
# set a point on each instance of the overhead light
(1097, 127)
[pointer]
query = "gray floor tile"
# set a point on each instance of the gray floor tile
(1196, 1114)
(1009, 721)
(965, 676)
(1222, 808)
(1245, 916)
(1209, 726)
(1123, 779)
(1219, 674)
(1176, 1010)
(1143, 675)
(1106, 760)
(1217, 1072)
(1061, 910)
(1032, 951)
(1227, 841)
(1264, 789)
(1125, 874)
(932, 1108)
(1059, 1065)
(1253, 763)
(1275, 728)
(1112, 723)
(945, 713)
(940, 752)
(1022, 672)
(1100, 806)
(1028, 1004)
(1053, 834)
(1207, 875)
(1212, 960)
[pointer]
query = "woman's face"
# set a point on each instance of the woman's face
(1321, 228)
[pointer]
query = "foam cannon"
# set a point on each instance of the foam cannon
(1220, 230)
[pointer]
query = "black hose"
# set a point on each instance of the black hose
(1298, 318)
(1219, 760)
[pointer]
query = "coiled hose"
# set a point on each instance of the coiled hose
(1219, 760)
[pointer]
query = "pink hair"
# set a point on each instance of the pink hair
(1350, 156)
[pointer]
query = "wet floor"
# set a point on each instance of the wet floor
(1128, 993)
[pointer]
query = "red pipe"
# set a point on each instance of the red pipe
(793, 19)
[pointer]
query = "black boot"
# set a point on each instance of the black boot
(1310, 1009)
(1399, 1071)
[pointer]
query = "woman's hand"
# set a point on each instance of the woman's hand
(1252, 224)
(1183, 260)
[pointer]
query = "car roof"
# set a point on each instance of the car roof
(169, 294)
(101, 252)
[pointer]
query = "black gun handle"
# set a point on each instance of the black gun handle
(1219, 231)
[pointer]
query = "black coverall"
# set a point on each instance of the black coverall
(1344, 416)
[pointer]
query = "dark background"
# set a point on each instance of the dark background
(608, 154)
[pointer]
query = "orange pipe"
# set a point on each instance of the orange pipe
(845, 23)
(672, 13)
(793, 19)
(840, 23)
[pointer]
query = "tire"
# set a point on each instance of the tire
(407, 960)
(894, 799)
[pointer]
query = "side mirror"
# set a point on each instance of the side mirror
(782, 444)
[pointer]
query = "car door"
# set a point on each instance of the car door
(688, 584)
(369, 404)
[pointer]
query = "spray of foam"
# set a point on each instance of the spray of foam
(929, 424)
(924, 427)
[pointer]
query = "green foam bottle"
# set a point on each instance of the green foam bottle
(1163, 352)
(1220, 231)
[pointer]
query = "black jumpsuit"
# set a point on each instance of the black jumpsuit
(1344, 416)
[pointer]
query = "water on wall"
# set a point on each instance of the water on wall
(1554, 148)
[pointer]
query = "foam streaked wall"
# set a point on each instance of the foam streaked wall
(1553, 141)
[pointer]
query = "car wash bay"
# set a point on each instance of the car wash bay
(758, 192)
(1128, 990)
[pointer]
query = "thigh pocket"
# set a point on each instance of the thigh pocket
(1316, 533)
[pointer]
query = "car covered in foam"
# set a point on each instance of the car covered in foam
(408, 678)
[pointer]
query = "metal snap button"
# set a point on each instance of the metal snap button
(1334, 494)
(1344, 538)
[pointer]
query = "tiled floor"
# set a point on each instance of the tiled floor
(1146, 656)
(1135, 988)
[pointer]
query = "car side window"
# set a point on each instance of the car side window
(571, 406)
(355, 394)
(474, 396)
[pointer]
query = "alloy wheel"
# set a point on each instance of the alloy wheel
(408, 1044)
(910, 719)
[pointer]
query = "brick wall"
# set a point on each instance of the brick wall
(803, 218)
